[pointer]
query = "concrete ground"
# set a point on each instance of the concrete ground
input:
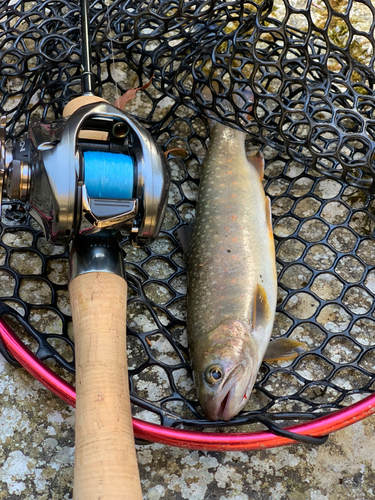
(37, 454)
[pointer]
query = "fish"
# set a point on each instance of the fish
(232, 279)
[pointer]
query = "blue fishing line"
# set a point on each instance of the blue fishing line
(108, 175)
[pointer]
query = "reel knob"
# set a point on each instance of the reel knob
(14, 173)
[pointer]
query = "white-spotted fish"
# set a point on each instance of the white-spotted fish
(232, 281)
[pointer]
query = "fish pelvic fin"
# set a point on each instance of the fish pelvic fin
(284, 350)
(262, 314)
(257, 161)
(269, 215)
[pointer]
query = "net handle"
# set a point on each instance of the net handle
(192, 440)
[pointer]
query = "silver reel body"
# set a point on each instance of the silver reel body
(48, 171)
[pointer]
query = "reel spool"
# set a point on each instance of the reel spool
(96, 169)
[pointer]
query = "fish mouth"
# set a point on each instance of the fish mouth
(225, 410)
(223, 406)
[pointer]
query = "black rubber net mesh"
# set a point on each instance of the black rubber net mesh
(310, 65)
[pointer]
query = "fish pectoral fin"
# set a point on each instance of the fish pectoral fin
(284, 349)
(257, 160)
(185, 235)
(262, 314)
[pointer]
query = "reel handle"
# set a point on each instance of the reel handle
(105, 457)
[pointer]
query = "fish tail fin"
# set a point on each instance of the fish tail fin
(284, 349)
(242, 97)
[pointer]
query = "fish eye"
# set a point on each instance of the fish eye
(213, 375)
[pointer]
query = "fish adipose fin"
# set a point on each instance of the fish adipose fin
(257, 160)
(262, 312)
(284, 349)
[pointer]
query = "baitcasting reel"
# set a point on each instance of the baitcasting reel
(97, 169)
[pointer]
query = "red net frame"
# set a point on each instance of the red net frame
(193, 440)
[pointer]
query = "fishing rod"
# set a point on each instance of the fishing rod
(87, 74)
(86, 179)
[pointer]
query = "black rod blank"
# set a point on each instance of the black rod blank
(87, 75)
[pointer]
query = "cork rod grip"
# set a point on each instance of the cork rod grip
(105, 459)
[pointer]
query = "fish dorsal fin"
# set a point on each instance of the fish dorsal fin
(185, 235)
(284, 350)
(257, 160)
(262, 311)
